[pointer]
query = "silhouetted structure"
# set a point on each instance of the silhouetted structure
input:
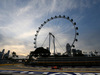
(40, 52)
(68, 49)
(6, 56)
(2, 54)
(74, 52)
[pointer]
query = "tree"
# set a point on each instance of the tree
(14, 55)
(40, 52)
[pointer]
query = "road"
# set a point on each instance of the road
(19, 69)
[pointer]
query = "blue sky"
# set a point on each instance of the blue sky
(19, 20)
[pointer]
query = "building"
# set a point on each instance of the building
(2, 54)
(74, 52)
(68, 49)
(79, 52)
(7, 54)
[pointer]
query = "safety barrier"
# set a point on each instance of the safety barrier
(47, 73)
(9, 64)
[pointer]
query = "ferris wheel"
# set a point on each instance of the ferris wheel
(51, 19)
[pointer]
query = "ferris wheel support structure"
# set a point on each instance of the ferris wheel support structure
(50, 34)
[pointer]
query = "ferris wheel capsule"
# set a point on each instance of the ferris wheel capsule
(77, 33)
(35, 47)
(71, 20)
(37, 31)
(48, 20)
(41, 24)
(51, 17)
(68, 18)
(76, 39)
(59, 16)
(34, 38)
(74, 23)
(76, 28)
(55, 16)
(39, 27)
(44, 22)
(34, 42)
(35, 34)
(73, 45)
(63, 16)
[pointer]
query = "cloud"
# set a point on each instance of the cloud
(23, 10)
(19, 21)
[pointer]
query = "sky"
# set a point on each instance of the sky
(20, 19)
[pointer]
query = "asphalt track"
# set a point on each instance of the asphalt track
(20, 69)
